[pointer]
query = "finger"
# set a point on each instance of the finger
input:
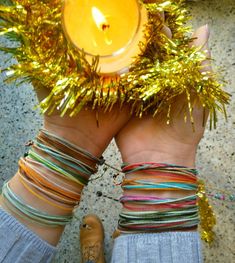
(162, 15)
(165, 29)
(201, 39)
(201, 36)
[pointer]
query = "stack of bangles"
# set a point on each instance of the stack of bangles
(174, 203)
(55, 171)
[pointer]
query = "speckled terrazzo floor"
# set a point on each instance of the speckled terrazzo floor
(216, 154)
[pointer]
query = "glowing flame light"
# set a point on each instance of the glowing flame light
(102, 24)
(99, 18)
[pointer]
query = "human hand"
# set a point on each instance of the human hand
(89, 129)
(152, 139)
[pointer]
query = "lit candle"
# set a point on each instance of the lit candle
(110, 29)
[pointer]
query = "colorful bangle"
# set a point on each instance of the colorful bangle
(55, 171)
(151, 213)
(19, 206)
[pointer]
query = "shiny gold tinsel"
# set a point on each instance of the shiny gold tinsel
(207, 217)
(164, 69)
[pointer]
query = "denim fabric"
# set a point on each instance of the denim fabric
(20, 245)
(168, 247)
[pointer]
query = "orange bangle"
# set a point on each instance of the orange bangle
(33, 175)
(44, 199)
(53, 195)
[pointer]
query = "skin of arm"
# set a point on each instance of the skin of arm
(83, 131)
(153, 140)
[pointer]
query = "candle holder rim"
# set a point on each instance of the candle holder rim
(116, 53)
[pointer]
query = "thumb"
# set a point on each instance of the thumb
(201, 38)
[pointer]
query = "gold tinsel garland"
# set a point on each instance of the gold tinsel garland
(207, 216)
(164, 69)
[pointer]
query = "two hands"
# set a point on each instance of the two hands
(139, 140)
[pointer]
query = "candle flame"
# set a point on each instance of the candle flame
(101, 23)
(100, 19)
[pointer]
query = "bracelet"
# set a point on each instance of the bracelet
(54, 196)
(41, 195)
(55, 171)
(67, 147)
(28, 212)
(41, 180)
(151, 213)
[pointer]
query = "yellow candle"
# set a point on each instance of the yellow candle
(111, 29)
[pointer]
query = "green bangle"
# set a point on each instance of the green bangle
(19, 206)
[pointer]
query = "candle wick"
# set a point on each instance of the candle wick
(105, 27)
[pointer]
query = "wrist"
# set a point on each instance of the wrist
(176, 156)
(22, 192)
